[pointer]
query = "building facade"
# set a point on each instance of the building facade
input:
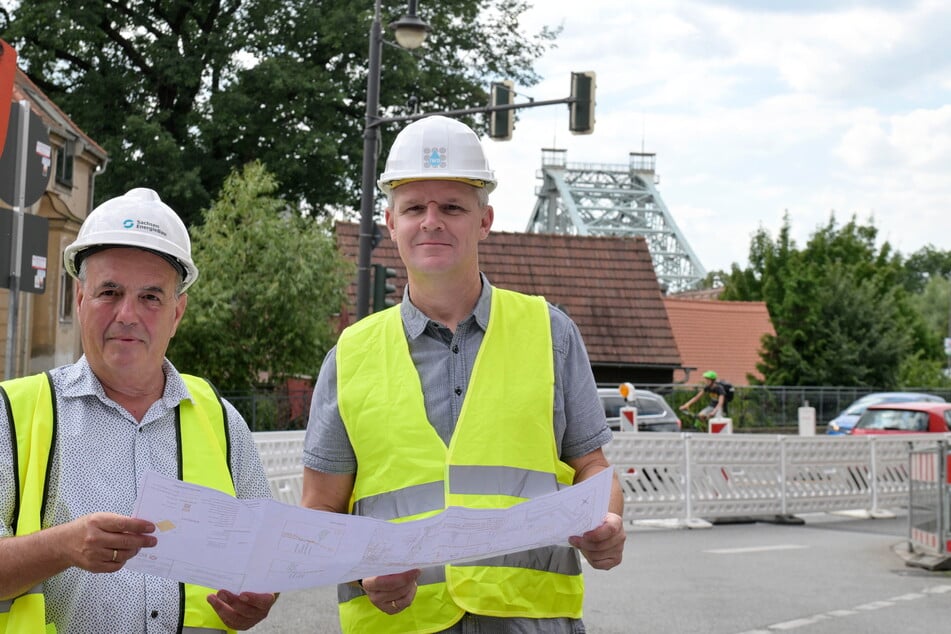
(46, 333)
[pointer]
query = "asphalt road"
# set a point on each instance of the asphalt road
(832, 574)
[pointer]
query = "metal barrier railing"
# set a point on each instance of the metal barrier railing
(281, 453)
(767, 409)
(775, 409)
(929, 529)
(693, 479)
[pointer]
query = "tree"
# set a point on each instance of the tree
(928, 278)
(270, 282)
(927, 264)
(181, 93)
(933, 303)
(840, 312)
(922, 370)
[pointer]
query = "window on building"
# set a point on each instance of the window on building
(64, 163)
(66, 300)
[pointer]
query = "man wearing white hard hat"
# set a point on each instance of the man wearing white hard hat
(462, 395)
(76, 442)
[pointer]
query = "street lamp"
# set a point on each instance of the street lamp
(410, 32)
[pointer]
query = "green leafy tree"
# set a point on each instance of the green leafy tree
(933, 303)
(839, 309)
(925, 265)
(928, 278)
(271, 282)
(182, 92)
(923, 370)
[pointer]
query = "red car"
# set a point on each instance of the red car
(904, 418)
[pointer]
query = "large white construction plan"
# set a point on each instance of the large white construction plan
(208, 538)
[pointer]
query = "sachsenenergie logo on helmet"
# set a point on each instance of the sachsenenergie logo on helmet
(434, 157)
(144, 225)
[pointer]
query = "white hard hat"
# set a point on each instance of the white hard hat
(437, 148)
(137, 219)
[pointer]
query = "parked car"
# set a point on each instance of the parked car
(653, 412)
(846, 419)
(904, 418)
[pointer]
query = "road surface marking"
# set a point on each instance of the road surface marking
(753, 549)
(793, 624)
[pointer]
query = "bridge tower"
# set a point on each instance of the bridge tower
(590, 199)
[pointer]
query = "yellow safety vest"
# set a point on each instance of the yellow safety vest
(406, 472)
(203, 443)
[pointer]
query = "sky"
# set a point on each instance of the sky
(755, 109)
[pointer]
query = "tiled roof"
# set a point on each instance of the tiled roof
(607, 285)
(721, 336)
(50, 113)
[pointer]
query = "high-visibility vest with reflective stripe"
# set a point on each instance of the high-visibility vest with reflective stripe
(204, 458)
(407, 472)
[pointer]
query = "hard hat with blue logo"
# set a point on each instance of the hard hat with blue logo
(137, 219)
(437, 148)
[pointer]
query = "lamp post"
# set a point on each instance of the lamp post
(410, 32)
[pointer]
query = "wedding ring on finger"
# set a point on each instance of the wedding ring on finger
(395, 607)
(115, 553)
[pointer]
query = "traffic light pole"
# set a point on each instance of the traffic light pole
(479, 110)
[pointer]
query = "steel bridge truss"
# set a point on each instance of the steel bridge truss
(588, 199)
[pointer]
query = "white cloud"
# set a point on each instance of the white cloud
(826, 107)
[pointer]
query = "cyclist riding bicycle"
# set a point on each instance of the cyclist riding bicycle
(718, 398)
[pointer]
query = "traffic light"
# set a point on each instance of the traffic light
(382, 288)
(581, 107)
(501, 122)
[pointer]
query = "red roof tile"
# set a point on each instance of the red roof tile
(606, 284)
(49, 112)
(721, 336)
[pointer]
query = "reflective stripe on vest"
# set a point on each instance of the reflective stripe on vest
(203, 458)
(463, 480)
(413, 500)
(347, 591)
(376, 379)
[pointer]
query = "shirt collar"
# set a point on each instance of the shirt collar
(79, 380)
(415, 321)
